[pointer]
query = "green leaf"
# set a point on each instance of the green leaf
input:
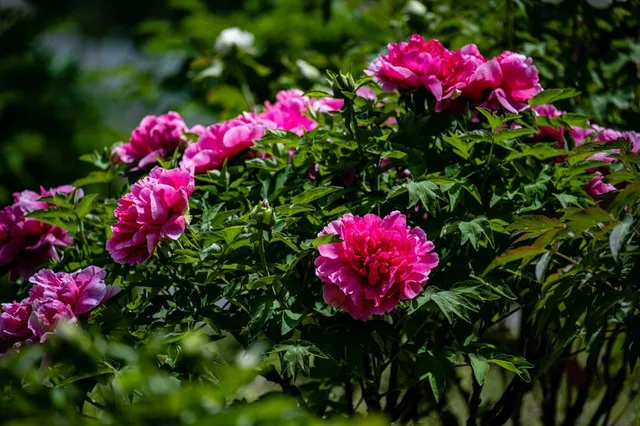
(326, 239)
(313, 194)
(478, 232)
(94, 177)
(480, 368)
(289, 321)
(552, 95)
(261, 282)
(567, 200)
(619, 235)
(540, 151)
(432, 366)
(452, 304)
(85, 205)
(60, 217)
(425, 192)
(513, 255)
(297, 354)
(493, 119)
(509, 134)
(629, 196)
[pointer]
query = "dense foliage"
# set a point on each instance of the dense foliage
(428, 240)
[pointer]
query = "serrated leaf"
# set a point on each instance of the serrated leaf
(552, 95)
(326, 239)
(289, 321)
(476, 231)
(513, 255)
(313, 194)
(94, 177)
(480, 368)
(425, 192)
(619, 235)
(85, 205)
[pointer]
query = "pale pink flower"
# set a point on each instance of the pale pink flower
(221, 142)
(156, 136)
(152, 212)
(289, 112)
(379, 262)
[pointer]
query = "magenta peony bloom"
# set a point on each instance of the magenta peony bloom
(223, 141)
(26, 242)
(597, 186)
(288, 112)
(46, 315)
(156, 136)
(548, 133)
(82, 290)
(411, 64)
(520, 81)
(378, 263)
(152, 212)
(14, 325)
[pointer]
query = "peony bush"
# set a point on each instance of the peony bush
(432, 239)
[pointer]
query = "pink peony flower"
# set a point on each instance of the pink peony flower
(507, 81)
(409, 65)
(222, 141)
(46, 315)
(597, 186)
(26, 242)
(378, 263)
(288, 112)
(14, 325)
(366, 93)
(156, 136)
(82, 290)
(548, 133)
(54, 297)
(512, 79)
(152, 212)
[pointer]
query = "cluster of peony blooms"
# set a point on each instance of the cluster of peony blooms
(54, 297)
(159, 136)
(456, 78)
(155, 208)
(597, 185)
(26, 242)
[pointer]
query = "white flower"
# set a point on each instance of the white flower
(414, 7)
(600, 4)
(234, 37)
(307, 70)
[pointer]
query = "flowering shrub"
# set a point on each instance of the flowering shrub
(286, 250)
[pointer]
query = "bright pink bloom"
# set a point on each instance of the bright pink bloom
(25, 242)
(421, 63)
(597, 186)
(411, 64)
(289, 111)
(222, 141)
(82, 290)
(152, 212)
(378, 263)
(156, 136)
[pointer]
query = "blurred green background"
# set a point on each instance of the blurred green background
(78, 75)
